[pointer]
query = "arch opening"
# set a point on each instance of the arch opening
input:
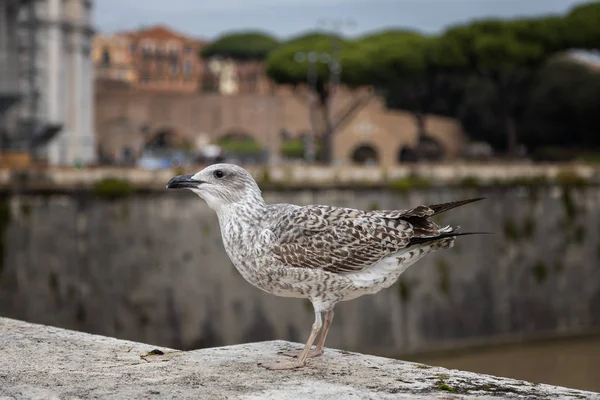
(407, 155)
(164, 139)
(429, 149)
(365, 154)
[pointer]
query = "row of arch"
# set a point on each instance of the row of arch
(362, 153)
(368, 154)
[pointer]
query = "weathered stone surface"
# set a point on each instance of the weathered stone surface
(49, 363)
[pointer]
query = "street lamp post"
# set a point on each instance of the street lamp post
(335, 69)
(311, 79)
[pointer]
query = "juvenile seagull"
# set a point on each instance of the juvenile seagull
(323, 253)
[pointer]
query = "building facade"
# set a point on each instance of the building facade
(54, 79)
(113, 60)
(160, 59)
(231, 77)
(164, 60)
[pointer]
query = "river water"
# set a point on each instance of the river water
(573, 363)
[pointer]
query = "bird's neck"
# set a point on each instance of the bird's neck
(249, 210)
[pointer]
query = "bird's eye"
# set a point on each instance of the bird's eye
(218, 174)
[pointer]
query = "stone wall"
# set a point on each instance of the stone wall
(469, 174)
(152, 268)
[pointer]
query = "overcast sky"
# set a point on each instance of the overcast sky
(208, 19)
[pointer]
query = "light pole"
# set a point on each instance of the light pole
(335, 69)
(311, 79)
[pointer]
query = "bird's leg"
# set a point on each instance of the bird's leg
(319, 349)
(321, 343)
(301, 360)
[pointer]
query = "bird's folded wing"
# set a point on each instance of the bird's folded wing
(346, 240)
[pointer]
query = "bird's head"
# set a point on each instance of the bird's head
(220, 185)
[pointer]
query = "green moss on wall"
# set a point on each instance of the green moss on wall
(5, 218)
(408, 183)
(558, 265)
(25, 209)
(579, 234)
(444, 277)
(569, 204)
(112, 189)
(308, 305)
(53, 284)
(533, 195)
(405, 289)
(529, 227)
(470, 182)
(568, 177)
(511, 231)
(529, 181)
(539, 272)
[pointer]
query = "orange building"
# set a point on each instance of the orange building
(155, 58)
(165, 60)
(112, 59)
(160, 59)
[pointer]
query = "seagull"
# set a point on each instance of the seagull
(318, 252)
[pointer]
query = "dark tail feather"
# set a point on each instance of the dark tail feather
(440, 208)
(421, 240)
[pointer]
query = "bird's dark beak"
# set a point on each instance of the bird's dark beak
(183, 182)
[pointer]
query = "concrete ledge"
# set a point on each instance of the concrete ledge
(43, 362)
(299, 176)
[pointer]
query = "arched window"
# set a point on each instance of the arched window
(106, 57)
(429, 148)
(365, 154)
(148, 47)
(407, 154)
(162, 139)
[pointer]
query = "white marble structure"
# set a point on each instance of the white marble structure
(9, 68)
(56, 79)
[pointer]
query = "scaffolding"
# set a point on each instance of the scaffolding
(21, 76)
(9, 68)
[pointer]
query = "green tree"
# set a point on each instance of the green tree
(242, 46)
(507, 54)
(563, 111)
(582, 26)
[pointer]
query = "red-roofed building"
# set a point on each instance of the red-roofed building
(165, 60)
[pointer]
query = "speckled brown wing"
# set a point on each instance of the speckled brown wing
(347, 240)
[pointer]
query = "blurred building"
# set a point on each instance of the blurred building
(230, 77)
(113, 60)
(155, 59)
(159, 59)
(129, 121)
(48, 47)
